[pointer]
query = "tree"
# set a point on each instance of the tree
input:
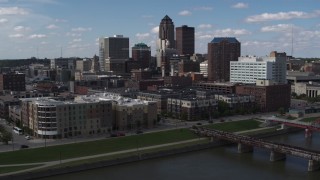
(294, 95)
(281, 111)
(5, 137)
(222, 107)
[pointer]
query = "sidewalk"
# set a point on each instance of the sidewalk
(52, 163)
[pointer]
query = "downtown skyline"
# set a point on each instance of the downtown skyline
(41, 28)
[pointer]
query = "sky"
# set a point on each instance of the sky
(71, 28)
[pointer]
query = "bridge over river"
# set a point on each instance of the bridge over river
(278, 151)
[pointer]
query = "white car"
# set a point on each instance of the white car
(28, 137)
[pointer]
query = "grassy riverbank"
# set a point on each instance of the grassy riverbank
(53, 153)
(134, 144)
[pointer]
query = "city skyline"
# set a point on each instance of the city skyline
(51, 28)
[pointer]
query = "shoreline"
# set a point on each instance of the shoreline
(130, 158)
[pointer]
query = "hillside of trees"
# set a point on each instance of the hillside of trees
(22, 62)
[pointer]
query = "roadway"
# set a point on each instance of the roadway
(165, 124)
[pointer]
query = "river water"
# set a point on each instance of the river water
(217, 163)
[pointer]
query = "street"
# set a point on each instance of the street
(165, 124)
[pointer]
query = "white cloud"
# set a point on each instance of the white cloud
(203, 8)
(44, 42)
(155, 30)
(204, 26)
(41, 1)
(77, 40)
(13, 11)
(3, 20)
(61, 20)
(142, 35)
(52, 26)
(276, 28)
(37, 36)
(73, 34)
(240, 5)
(21, 28)
(281, 16)
(16, 35)
(231, 32)
(81, 29)
(185, 13)
(205, 36)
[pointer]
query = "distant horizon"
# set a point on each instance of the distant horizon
(33, 28)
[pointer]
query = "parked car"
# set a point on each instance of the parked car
(139, 131)
(199, 123)
(120, 133)
(23, 146)
(113, 135)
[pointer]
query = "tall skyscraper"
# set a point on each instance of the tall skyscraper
(166, 31)
(116, 47)
(222, 50)
(185, 40)
(165, 45)
(142, 53)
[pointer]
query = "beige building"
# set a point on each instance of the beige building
(236, 101)
(191, 108)
(309, 89)
(86, 115)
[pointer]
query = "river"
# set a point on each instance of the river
(216, 163)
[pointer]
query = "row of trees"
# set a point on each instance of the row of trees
(5, 136)
(305, 97)
(222, 110)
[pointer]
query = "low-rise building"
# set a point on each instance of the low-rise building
(86, 115)
(235, 101)
(268, 96)
(191, 108)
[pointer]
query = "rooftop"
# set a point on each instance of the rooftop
(220, 39)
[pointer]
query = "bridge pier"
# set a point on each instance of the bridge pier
(242, 148)
(308, 133)
(313, 165)
(283, 126)
(276, 156)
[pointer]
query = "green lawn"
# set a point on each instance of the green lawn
(235, 126)
(104, 158)
(15, 168)
(52, 153)
(310, 119)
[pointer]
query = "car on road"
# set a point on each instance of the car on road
(113, 135)
(139, 131)
(120, 133)
(27, 137)
(23, 146)
(199, 123)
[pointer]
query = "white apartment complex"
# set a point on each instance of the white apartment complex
(248, 69)
(86, 115)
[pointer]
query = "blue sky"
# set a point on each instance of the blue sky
(41, 28)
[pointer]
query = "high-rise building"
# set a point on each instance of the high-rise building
(142, 53)
(166, 45)
(221, 51)
(166, 31)
(185, 40)
(116, 47)
(248, 69)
